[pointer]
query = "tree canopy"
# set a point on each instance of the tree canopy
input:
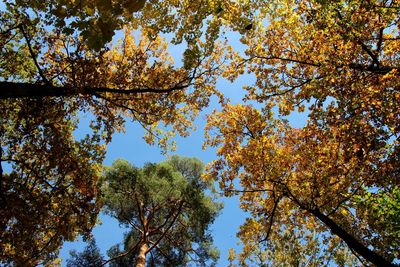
(337, 62)
(59, 62)
(167, 210)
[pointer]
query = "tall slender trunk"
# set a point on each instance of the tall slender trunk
(141, 258)
(352, 242)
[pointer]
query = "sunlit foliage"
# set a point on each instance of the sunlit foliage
(338, 63)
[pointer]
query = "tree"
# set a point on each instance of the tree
(57, 63)
(297, 184)
(90, 257)
(340, 61)
(167, 211)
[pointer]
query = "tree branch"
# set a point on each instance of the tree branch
(10, 29)
(249, 190)
(141, 215)
(374, 69)
(162, 253)
(289, 60)
(120, 255)
(380, 40)
(169, 227)
(352, 242)
(164, 223)
(12, 90)
(370, 53)
(294, 87)
(271, 218)
(33, 55)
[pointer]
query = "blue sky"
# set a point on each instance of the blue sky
(136, 151)
(131, 146)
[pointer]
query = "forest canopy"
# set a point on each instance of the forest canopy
(338, 63)
(58, 63)
(328, 188)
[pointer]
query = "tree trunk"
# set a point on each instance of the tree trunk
(141, 258)
(32, 90)
(352, 242)
(12, 90)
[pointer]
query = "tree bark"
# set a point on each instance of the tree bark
(141, 258)
(352, 242)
